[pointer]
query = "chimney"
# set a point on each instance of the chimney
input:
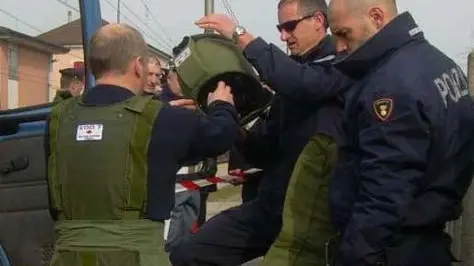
(69, 16)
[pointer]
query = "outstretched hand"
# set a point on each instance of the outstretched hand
(217, 22)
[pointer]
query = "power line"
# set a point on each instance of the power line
(21, 21)
(134, 24)
(226, 8)
(157, 39)
(68, 5)
(147, 7)
(230, 12)
(129, 20)
(146, 25)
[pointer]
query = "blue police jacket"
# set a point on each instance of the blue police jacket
(306, 101)
(406, 161)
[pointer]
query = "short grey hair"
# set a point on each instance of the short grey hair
(154, 60)
(309, 7)
(113, 47)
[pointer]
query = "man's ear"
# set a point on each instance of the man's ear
(139, 66)
(377, 17)
(320, 18)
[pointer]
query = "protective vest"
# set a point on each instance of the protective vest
(98, 182)
(105, 146)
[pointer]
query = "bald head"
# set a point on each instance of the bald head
(357, 6)
(353, 22)
(114, 47)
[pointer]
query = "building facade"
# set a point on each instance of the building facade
(25, 67)
(69, 35)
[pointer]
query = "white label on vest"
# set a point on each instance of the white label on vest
(89, 132)
(185, 54)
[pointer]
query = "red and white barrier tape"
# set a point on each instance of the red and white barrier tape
(219, 181)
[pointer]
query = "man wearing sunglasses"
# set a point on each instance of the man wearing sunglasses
(306, 107)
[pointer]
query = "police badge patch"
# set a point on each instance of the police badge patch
(383, 108)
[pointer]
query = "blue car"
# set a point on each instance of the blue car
(26, 229)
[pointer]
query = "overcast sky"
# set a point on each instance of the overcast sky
(449, 27)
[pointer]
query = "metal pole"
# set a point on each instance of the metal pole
(470, 72)
(91, 21)
(208, 9)
(467, 239)
(118, 11)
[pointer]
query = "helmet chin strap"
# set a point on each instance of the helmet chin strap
(248, 119)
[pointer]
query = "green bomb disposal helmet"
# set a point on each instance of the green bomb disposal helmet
(201, 61)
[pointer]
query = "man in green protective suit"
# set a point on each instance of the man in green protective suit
(113, 154)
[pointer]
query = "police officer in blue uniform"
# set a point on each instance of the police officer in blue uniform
(406, 162)
(306, 101)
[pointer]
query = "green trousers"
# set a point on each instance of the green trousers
(306, 219)
(110, 243)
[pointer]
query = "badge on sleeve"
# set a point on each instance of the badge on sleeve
(383, 108)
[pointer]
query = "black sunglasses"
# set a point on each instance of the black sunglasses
(290, 26)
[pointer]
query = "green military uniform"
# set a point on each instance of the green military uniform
(67, 75)
(62, 95)
(307, 223)
(103, 224)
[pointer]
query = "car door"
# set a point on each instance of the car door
(35, 63)
(26, 229)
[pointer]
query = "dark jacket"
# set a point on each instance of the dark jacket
(305, 93)
(179, 135)
(166, 94)
(405, 164)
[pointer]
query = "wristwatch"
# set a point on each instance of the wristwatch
(237, 32)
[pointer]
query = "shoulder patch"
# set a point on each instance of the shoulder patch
(383, 108)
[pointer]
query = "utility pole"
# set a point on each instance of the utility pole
(208, 9)
(118, 11)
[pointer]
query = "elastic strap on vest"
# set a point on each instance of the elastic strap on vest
(148, 110)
